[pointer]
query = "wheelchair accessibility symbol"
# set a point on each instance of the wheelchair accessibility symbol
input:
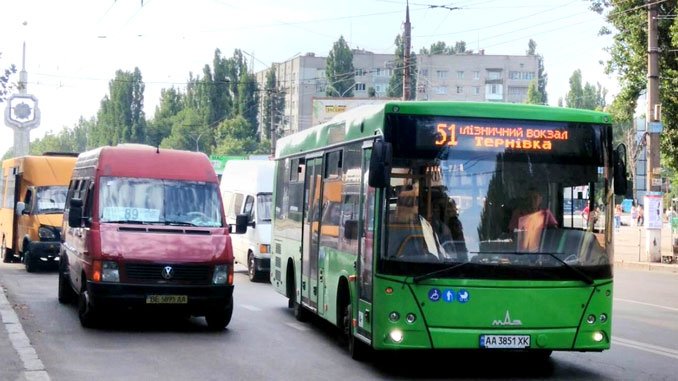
(434, 295)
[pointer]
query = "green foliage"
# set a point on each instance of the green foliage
(628, 59)
(171, 103)
(248, 99)
(235, 137)
(121, 116)
(395, 84)
(4, 81)
(441, 47)
(274, 103)
(588, 96)
(339, 70)
(76, 139)
(533, 95)
(189, 132)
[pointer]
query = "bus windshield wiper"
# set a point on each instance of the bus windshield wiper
(580, 274)
(419, 278)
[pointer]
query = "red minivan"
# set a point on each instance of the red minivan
(145, 228)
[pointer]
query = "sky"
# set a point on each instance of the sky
(74, 47)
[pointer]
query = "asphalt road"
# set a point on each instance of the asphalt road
(265, 342)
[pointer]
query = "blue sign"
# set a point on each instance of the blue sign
(448, 295)
(654, 127)
(463, 296)
(434, 295)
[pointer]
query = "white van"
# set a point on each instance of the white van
(247, 188)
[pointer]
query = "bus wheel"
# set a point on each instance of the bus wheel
(300, 312)
(356, 348)
(6, 258)
(29, 262)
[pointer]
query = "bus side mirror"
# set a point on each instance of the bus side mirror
(20, 208)
(380, 164)
(241, 221)
(619, 169)
(75, 213)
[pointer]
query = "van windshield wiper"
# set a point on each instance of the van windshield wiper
(419, 278)
(179, 223)
(136, 222)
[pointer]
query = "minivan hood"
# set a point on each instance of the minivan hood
(168, 244)
(50, 219)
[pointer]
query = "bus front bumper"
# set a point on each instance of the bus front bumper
(47, 251)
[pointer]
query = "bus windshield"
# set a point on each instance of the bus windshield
(153, 201)
(505, 212)
(51, 199)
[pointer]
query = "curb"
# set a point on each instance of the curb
(647, 266)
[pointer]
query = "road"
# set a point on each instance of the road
(265, 342)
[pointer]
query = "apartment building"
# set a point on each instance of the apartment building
(468, 77)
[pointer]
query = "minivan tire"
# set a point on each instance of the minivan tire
(217, 320)
(29, 262)
(252, 272)
(86, 313)
(66, 293)
(6, 257)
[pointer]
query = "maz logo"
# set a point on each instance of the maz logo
(507, 320)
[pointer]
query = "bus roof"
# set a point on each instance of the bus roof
(142, 161)
(43, 170)
(366, 121)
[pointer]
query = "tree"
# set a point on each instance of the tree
(588, 96)
(395, 84)
(5, 87)
(189, 132)
(339, 70)
(542, 77)
(235, 137)
(171, 103)
(628, 59)
(248, 100)
(274, 103)
(441, 47)
(533, 95)
(121, 116)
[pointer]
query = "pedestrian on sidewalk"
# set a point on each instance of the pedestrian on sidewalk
(634, 214)
(617, 216)
(641, 217)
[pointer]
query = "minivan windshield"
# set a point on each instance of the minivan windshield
(50, 199)
(154, 201)
(264, 201)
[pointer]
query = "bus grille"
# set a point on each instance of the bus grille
(152, 273)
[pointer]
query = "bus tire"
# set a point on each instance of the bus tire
(29, 262)
(300, 312)
(358, 350)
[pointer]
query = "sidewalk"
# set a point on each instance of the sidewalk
(629, 249)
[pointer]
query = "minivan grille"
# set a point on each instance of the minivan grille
(152, 273)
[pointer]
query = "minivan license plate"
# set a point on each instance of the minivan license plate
(166, 299)
(505, 341)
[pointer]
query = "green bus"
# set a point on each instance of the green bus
(450, 225)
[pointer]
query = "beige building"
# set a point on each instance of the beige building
(467, 77)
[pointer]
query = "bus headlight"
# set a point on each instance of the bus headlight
(109, 272)
(46, 233)
(598, 337)
(264, 249)
(220, 274)
(396, 335)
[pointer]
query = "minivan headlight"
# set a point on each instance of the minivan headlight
(220, 274)
(264, 249)
(109, 272)
(46, 233)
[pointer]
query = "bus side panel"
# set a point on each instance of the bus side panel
(336, 264)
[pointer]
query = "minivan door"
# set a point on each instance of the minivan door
(311, 234)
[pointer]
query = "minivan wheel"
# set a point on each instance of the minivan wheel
(85, 311)
(217, 320)
(66, 293)
(252, 268)
(6, 258)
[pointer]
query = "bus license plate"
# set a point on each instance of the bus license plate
(505, 341)
(166, 299)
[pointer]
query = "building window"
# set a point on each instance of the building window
(460, 89)
(441, 90)
(460, 75)
(519, 91)
(359, 72)
(442, 73)
(359, 87)
(494, 89)
(493, 74)
(379, 88)
(476, 74)
(424, 72)
(521, 75)
(476, 90)
(320, 73)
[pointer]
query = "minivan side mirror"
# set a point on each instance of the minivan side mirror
(241, 221)
(380, 164)
(20, 208)
(75, 213)
(619, 170)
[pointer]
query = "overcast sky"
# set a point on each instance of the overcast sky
(74, 47)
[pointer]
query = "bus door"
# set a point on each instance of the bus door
(365, 252)
(309, 251)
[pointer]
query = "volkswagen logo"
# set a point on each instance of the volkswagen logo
(167, 272)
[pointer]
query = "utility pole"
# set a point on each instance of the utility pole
(653, 198)
(407, 35)
(272, 94)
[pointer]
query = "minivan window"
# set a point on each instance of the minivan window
(51, 199)
(170, 202)
(264, 205)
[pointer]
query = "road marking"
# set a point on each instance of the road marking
(251, 308)
(647, 304)
(668, 352)
(33, 367)
(297, 326)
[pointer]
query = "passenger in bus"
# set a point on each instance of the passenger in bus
(448, 227)
(529, 221)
